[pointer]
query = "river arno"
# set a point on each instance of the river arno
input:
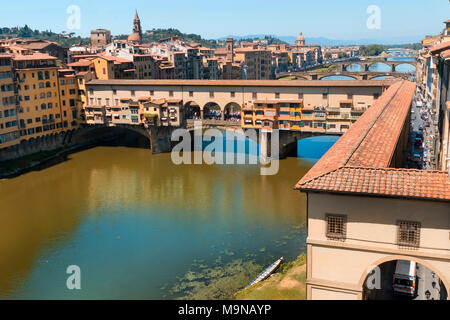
(140, 227)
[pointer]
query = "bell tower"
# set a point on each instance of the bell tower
(137, 25)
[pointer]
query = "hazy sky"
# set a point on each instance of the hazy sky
(334, 19)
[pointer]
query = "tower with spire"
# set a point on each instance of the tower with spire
(137, 24)
(136, 36)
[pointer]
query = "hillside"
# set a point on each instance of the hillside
(156, 35)
(64, 39)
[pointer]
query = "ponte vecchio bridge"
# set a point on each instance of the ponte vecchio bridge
(312, 107)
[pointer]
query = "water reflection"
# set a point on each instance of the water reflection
(136, 224)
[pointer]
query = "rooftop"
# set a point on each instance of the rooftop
(34, 56)
(248, 83)
(359, 162)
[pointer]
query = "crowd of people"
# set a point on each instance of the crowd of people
(233, 116)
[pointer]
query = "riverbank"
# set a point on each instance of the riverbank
(37, 161)
(289, 283)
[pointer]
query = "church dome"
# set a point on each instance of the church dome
(134, 37)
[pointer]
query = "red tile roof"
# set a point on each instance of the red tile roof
(34, 56)
(409, 183)
(359, 161)
(440, 47)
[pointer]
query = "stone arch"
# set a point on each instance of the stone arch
(354, 77)
(386, 63)
(389, 258)
(232, 112)
(405, 63)
(212, 111)
(360, 65)
(192, 110)
(94, 134)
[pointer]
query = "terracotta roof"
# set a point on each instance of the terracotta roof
(359, 162)
(81, 63)
(445, 54)
(34, 56)
(440, 47)
(247, 83)
(388, 182)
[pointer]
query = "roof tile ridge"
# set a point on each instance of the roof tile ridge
(366, 132)
(321, 175)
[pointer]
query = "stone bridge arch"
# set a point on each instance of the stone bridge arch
(97, 133)
(414, 65)
(325, 75)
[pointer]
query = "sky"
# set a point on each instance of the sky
(333, 19)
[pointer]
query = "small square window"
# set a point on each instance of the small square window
(336, 226)
(211, 94)
(277, 95)
(408, 234)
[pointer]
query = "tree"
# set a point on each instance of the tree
(371, 50)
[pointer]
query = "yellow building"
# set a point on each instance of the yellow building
(70, 99)
(39, 111)
(9, 134)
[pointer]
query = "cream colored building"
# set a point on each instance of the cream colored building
(364, 209)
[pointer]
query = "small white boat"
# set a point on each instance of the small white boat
(267, 272)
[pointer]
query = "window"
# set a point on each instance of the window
(133, 93)
(152, 93)
(255, 95)
(211, 94)
(191, 93)
(277, 95)
(325, 95)
(408, 233)
(232, 94)
(171, 93)
(300, 96)
(336, 226)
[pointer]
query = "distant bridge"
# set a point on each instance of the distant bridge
(357, 75)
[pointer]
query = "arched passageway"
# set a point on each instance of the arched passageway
(232, 112)
(404, 279)
(192, 111)
(212, 111)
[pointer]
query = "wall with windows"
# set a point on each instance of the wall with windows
(349, 235)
